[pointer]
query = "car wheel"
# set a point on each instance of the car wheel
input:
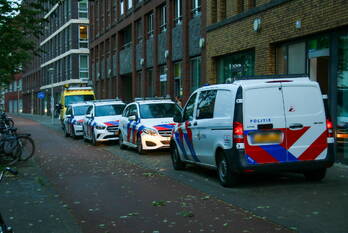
(121, 142)
(140, 146)
(94, 140)
(178, 164)
(315, 175)
(73, 135)
(226, 176)
(66, 134)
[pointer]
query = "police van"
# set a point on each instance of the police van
(255, 125)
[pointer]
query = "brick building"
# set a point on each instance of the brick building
(147, 47)
(262, 37)
(13, 95)
(65, 58)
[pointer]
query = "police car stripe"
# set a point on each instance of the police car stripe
(190, 146)
(181, 145)
(316, 148)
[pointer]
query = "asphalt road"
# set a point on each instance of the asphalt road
(285, 199)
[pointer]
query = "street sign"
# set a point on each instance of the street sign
(41, 95)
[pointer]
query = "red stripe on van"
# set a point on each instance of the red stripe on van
(292, 136)
(259, 155)
(314, 150)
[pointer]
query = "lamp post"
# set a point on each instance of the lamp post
(50, 71)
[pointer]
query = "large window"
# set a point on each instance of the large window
(163, 80)
(291, 58)
(139, 84)
(83, 66)
(109, 110)
(177, 11)
(150, 83)
(178, 88)
(83, 9)
(230, 67)
(83, 38)
(196, 7)
(130, 4)
(165, 110)
(163, 18)
(139, 30)
(121, 7)
(206, 103)
(150, 25)
(195, 73)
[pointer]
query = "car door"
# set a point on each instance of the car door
(264, 124)
(305, 122)
(184, 136)
(86, 121)
(68, 120)
(124, 122)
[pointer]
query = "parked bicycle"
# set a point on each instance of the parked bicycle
(6, 121)
(3, 227)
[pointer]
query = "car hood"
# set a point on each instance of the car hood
(159, 123)
(108, 120)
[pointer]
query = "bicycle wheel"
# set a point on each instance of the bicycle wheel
(8, 159)
(27, 147)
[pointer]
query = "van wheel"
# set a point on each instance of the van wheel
(226, 176)
(315, 175)
(178, 164)
(140, 146)
(120, 141)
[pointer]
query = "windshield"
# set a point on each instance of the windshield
(72, 99)
(166, 110)
(109, 110)
(80, 110)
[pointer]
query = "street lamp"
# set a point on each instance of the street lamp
(50, 71)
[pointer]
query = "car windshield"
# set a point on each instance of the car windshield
(109, 110)
(72, 99)
(165, 110)
(80, 110)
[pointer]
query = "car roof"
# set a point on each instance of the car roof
(108, 102)
(80, 104)
(154, 101)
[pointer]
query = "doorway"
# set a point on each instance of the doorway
(319, 71)
(127, 89)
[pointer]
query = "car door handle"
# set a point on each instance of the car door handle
(296, 126)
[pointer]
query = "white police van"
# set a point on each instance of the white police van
(147, 124)
(255, 125)
(102, 120)
(73, 120)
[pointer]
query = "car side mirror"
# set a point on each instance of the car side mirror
(68, 116)
(132, 118)
(89, 116)
(177, 118)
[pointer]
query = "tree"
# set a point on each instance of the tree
(20, 29)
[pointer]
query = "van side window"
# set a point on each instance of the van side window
(206, 103)
(224, 106)
(188, 112)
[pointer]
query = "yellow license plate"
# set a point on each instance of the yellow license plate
(270, 137)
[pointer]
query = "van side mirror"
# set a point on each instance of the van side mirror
(133, 118)
(177, 118)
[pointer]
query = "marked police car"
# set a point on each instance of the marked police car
(73, 120)
(255, 125)
(102, 120)
(147, 124)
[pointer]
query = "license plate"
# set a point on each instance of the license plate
(266, 137)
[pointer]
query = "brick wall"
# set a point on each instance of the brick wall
(277, 25)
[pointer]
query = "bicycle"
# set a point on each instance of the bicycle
(6, 120)
(3, 227)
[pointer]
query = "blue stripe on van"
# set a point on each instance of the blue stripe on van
(190, 146)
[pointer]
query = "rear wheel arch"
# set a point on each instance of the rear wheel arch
(218, 153)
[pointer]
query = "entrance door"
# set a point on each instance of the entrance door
(319, 71)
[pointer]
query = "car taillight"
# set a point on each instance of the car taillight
(238, 134)
(329, 128)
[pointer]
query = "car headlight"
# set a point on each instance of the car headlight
(78, 123)
(150, 131)
(100, 127)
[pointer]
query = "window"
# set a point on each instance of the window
(83, 36)
(72, 99)
(132, 110)
(189, 109)
(165, 110)
(178, 89)
(83, 9)
(150, 28)
(225, 107)
(196, 7)
(114, 64)
(206, 103)
(139, 84)
(150, 83)
(121, 7)
(163, 18)
(230, 67)
(109, 70)
(139, 30)
(163, 80)
(195, 73)
(130, 4)
(80, 110)
(127, 37)
(84, 66)
(69, 111)
(109, 110)
(177, 11)
(297, 58)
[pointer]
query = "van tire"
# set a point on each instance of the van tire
(315, 175)
(120, 141)
(178, 164)
(227, 177)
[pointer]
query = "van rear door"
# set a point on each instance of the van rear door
(306, 136)
(264, 123)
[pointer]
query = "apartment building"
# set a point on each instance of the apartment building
(143, 48)
(64, 59)
(13, 102)
(263, 37)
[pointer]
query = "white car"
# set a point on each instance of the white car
(102, 121)
(255, 125)
(147, 124)
(74, 117)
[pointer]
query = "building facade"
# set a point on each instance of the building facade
(264, 37)
(64, 59)
(13, 101)
(143, 48)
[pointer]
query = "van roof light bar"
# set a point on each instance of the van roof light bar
(153, 98)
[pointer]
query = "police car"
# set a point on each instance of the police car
(147, 124)
(255, 125)
(102, 120)
(73, 120)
